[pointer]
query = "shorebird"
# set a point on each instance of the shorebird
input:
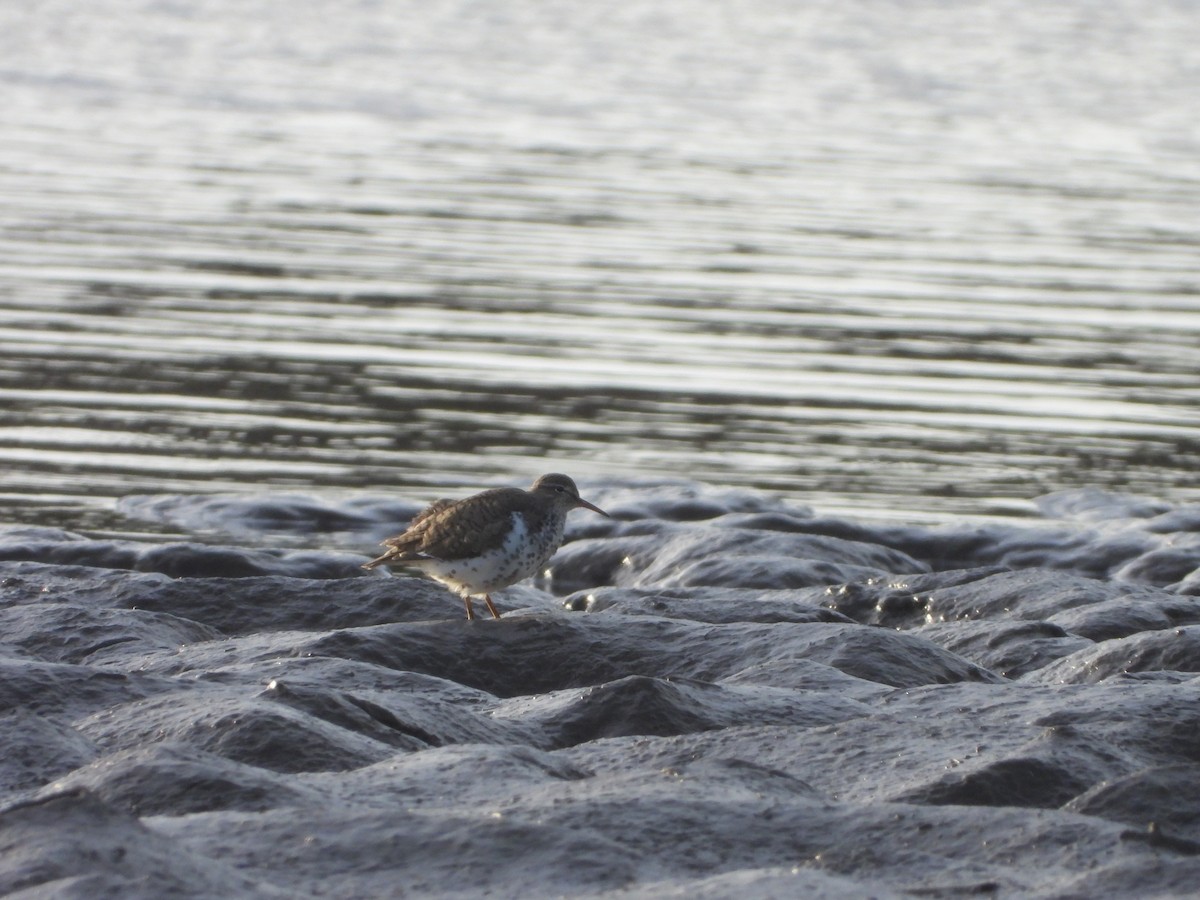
(489, 540)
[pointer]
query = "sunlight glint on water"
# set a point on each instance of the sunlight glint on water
(827, 255)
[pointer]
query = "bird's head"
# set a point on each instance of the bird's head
(563, 492)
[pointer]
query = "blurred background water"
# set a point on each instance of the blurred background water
(897, 259)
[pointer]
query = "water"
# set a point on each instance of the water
(893, 260)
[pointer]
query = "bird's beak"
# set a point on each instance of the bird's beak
(586, 505)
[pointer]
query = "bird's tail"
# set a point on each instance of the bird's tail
(399, 549)
(379, 560)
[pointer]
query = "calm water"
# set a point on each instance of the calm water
(892, 259)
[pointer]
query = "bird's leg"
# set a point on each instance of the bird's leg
(470, 611)
(491, 606)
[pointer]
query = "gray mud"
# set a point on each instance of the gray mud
(717, 695)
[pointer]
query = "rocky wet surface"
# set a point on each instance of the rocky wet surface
(714, 693)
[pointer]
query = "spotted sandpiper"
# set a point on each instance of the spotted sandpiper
(489, 540)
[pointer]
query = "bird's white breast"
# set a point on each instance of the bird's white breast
(521, 555)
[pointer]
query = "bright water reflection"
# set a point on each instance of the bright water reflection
(831, 252)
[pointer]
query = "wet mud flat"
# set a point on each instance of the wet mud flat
(716, 693)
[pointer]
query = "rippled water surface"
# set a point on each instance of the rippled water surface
(897, 260)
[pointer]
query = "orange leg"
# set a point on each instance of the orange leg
(491, 606)
(470, 611)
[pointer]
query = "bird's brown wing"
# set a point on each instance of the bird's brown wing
(407, 544)
(456, 529)
(428, 512)
(472, 526)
